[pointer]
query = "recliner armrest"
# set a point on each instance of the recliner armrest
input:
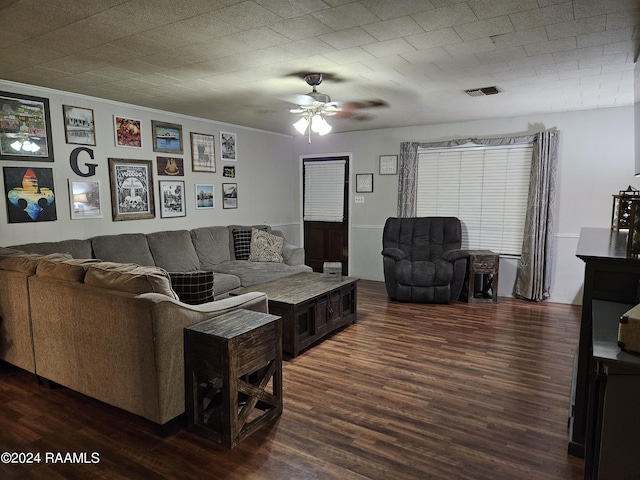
(395, 253)
(453, 255)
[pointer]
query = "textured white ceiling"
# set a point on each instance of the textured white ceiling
(233, 61)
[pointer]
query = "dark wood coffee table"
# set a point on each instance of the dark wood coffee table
(311, 307)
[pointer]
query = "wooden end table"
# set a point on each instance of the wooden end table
(233, 375)
(482, 276)
(311, 306)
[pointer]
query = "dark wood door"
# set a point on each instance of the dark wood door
(327, 241)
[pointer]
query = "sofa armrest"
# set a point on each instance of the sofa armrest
(292, 254)
(453, 255)
(393, 253)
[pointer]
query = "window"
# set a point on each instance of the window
(324, 190)
(485, 187)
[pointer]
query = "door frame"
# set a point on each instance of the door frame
(349, 156)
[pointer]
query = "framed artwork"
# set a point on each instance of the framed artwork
(204, 196)
(25, 128)
(78, 125)
(229, 195)
(172, 199)
(84, 199)
(364, 182)
(167, 137)
(228, 147)
(30, 194)
(171, 166)
(229, 171)
(131, 189)
(128, 132)
(203, 152)
(388, 164)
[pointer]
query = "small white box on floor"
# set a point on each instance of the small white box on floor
(332, 271)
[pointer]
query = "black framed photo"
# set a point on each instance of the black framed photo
(167, 137)
(30, 195)
(229, 195)
(25, 128)
(79, 125)
(131, 189)
(364, 183)
(172, 199)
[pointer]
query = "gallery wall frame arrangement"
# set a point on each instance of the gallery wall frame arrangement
(25, 128)
(205, 196)
(30, 195)
(203, 152)
(167, 137)
(79, 126)
(85, 199)
(388, 164)
(170, 166)
(131, 189)
(228, 147)
(229, 195)
(128, 132)
(172, 199)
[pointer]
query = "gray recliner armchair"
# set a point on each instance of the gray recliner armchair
(422, 259)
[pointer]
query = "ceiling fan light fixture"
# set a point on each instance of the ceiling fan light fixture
(319, 125)
(301, 125)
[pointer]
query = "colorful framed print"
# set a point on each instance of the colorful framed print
(25, 128)
(167, 137)
(171, 166)
(229, 195)
(204, 196)
(172, 199)
(128, 132)
(79, 127)
(229, 171)
(131, 189)
(228, 147)
(84, 199)
(203, 154)
(30, 194)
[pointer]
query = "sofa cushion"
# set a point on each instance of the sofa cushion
(75, 248)
(252, 273)
(265, 247)
(129, 277)
(173, 251)
(241, 244)
(28, 262)
(72, 270)
(123, 248)
(193, 288)
(211, 245)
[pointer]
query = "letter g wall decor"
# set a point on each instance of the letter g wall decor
(73, 160)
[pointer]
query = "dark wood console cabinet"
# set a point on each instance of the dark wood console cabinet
(611, 276)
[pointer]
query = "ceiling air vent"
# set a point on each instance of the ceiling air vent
(481, 92)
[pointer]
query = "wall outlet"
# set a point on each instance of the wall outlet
(359, 199)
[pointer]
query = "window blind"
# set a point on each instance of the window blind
(485, 187)
(324, 190)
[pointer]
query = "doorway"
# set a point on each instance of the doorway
(325, 190)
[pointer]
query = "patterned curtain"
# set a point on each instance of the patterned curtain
(533, 277)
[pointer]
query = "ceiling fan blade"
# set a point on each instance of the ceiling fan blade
(355, 105)
(299, 99)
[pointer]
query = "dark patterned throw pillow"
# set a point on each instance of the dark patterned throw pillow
(242, 244)
(193, 288)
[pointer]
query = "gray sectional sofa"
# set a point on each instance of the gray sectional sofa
(201, 249)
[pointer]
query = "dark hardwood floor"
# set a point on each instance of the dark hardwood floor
(410, 392)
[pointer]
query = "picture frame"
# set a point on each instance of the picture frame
(229, 195)
(79, 126)
(229, 171)
(203, 152)
(170, 166)
(131, 189)
(85, 201)
(228, 147)
(25, 128)
(364, 183)
(388, 164)
(29, 194)
(205, 196)
(172, 199)
(127, 131)
(167, 137)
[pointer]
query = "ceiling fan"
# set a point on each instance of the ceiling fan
(314, 106)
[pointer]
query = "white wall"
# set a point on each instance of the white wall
(266, 174)
(596, 159)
